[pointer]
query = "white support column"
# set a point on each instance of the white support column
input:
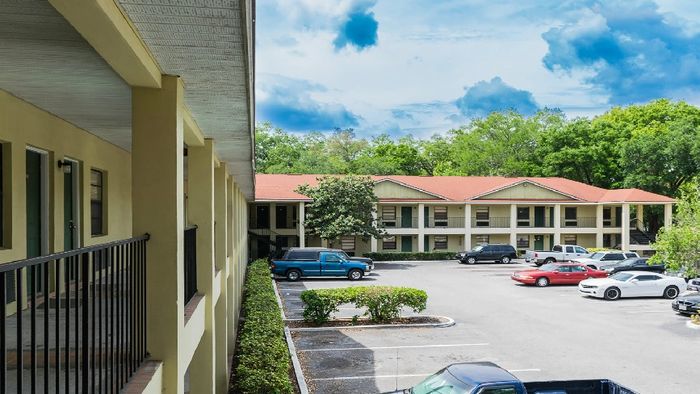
(421, 227)
(513, 225)
(302, 228)
(639, 223)
(373, 240)
(668, 215)
(625, 227)
(557, 225)
(467, 227)
(599, 226)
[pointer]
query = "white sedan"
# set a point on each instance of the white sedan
(633, 284)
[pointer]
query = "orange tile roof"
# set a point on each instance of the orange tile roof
(277, 187)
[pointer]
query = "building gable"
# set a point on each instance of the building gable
(525, 190)
(390, 189)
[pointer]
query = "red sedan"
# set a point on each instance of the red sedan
(557, 274)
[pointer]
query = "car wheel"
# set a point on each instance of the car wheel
(471, 260)
(355, 274)
(671, 292)
(542, 282)
(612, 293)
(293, 275)
(549, 260)
(505, 260)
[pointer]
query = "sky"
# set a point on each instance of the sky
(420, 67)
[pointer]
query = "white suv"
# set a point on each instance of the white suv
(598, 259)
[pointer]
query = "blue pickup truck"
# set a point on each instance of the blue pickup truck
(489, 378)
(320, 263)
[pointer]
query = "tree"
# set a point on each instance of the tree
(341, 206)
(678, 246)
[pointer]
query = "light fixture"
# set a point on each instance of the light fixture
(66, 166)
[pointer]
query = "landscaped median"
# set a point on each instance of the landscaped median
(262, 362)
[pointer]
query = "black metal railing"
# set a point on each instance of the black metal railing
(494, 222)
(448, 222)
(580, 222)
(75, 321)
(190, 262)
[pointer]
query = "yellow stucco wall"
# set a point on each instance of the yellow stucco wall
(525, 191)
(23, 125)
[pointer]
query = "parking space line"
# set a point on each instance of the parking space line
(360, 377)
(645, 312)
(392, 347)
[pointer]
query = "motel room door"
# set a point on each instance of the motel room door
(407, 243)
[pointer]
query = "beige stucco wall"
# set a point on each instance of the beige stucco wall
(388, 189)
(22, 125)
(525, 191)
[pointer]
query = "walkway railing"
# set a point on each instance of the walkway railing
(74, 321)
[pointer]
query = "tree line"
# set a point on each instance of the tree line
(653, 146)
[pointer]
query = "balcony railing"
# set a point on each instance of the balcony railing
(531, 223)
(400, 222)
(77, 319)
(579, 222)
(190, 262)
(449, 222)
(492, 222)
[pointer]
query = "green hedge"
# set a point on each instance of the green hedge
(399, 256)
(383, 303)
(263, 362)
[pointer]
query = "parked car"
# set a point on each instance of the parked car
(633, 284)
(557, 274)
(489, 378)
(313, 254)
(634, 264)
(558, 253)
(493, 252)
(687, 303)
(328, 263)
(694, 284)
(598, 259)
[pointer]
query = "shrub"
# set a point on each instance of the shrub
(413, 256)
(262, 358)
(383, 303)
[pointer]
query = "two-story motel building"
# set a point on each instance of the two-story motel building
(453, 213)
(126, 168)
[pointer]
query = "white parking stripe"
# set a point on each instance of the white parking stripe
(405, 375)
(392, 347)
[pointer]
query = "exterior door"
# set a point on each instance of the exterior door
(539, 240)
(426, 243)
(407, 243)
(539, 217)
(263, 247)
(281, 216)
(406, 217)
(35, 210)
(262, 214)
(426, 218)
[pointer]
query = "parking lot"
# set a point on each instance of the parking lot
(537, 333)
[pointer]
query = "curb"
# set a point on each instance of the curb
(449, 323)
(298, 372)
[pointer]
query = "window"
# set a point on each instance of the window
(347, 243)
(581, 250)
(481, 239)
(648, 277)
(630, 255)
(97, 202)
(570, 249)
(524, 217)
(578, 268)
(389, 242)
(332, 258)
(441, 242)
(523, 241)
(570, 239)
(564, 268)
(440, 216)
(482, 217)
(557, 248)
(389, 216)
(607, 217)
(613, 256)
(570, 217)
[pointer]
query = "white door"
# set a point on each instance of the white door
(647, 286)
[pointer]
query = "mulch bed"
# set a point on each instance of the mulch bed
(367, 322)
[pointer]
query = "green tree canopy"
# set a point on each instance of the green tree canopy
(341, 206)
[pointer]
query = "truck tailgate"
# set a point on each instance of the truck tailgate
(600, 386)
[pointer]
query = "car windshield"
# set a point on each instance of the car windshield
(597, 256)
(344, 255)
(549, 267)
(621, 276)
(477, 249)
(441, 383)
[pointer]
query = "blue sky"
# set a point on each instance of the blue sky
(418, 67)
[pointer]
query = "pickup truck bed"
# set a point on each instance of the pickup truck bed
(600, 386)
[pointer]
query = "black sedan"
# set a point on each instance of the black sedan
(687, 304)
(634, 264)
